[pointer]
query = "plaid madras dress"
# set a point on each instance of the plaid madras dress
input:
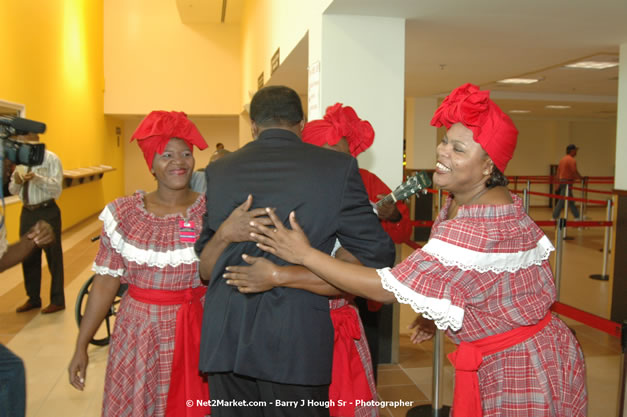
(486, 272)
(142, 249)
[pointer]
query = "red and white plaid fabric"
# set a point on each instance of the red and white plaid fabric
(487, 273)
(364, 355)
(140, 248)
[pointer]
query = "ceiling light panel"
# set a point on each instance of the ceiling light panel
(597, 65)
(556, 106)
(518, 81)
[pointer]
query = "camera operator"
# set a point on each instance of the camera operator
(38, 187)
(12, 374)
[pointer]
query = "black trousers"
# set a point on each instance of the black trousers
(54, 255)
(271, 399)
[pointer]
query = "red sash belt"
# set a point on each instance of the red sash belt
(349, 382)
(186, 383)
(467, 358)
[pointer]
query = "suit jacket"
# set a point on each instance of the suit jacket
(284, 335)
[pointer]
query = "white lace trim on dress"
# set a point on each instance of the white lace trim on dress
(440, 310)
(468, 259)
(103, 270)
(141, 256)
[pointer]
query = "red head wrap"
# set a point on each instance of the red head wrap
(156, 130)
(491, 128)
(340, 122)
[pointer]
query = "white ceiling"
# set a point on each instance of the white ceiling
(450, 42)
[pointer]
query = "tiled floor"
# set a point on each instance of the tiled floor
(45, 343)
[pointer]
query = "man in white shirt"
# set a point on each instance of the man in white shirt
(38, 187)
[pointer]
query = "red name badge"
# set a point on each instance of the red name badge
(186, 231)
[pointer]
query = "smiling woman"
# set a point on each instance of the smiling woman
(147, 241)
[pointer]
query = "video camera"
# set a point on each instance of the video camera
(21, 153)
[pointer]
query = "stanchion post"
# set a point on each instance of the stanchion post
(606, 245)
(438, 356)
(566, 203)
(526, 201)
(608, 234)
(561, 225)
(436, 409)
(439, 199)
(622, 387)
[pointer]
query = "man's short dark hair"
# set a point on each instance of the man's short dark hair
(276, 105)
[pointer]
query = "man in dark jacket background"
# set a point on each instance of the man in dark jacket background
(278, 345)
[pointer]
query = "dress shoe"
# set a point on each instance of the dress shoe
(52, 308)
(28, 305)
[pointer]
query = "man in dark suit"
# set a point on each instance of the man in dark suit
(277, 346)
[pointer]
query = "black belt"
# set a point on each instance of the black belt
(43, 204)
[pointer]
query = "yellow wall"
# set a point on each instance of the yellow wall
(155, 62)
(53, 64)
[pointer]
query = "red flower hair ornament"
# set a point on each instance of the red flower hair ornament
(491, 128)
(156, 130)
(340, 122)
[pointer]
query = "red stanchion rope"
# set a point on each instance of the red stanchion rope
(422, 223)
(561, 197)
(545, 222)
(589, 319)
(528, 177)
(592, 191)
(558, 196)
(582, 223)
(412, 244)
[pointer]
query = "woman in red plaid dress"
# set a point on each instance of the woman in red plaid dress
(484, 276)
(147, 242)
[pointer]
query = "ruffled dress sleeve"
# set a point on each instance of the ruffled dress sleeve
(465, 259)
(109, 261)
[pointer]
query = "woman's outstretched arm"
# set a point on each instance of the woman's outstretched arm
(293, 246)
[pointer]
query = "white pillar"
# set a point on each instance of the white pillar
(362, 64)
(420, 136)
(620, 175)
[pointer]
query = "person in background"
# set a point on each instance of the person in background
(147, 242)
(484, 275)
(38, 188)
(218, 153)
(343, 131)
(567, 173)
(12, 373)
(198, 182)
(278, 344)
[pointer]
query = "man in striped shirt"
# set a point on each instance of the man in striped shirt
(38, 187)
